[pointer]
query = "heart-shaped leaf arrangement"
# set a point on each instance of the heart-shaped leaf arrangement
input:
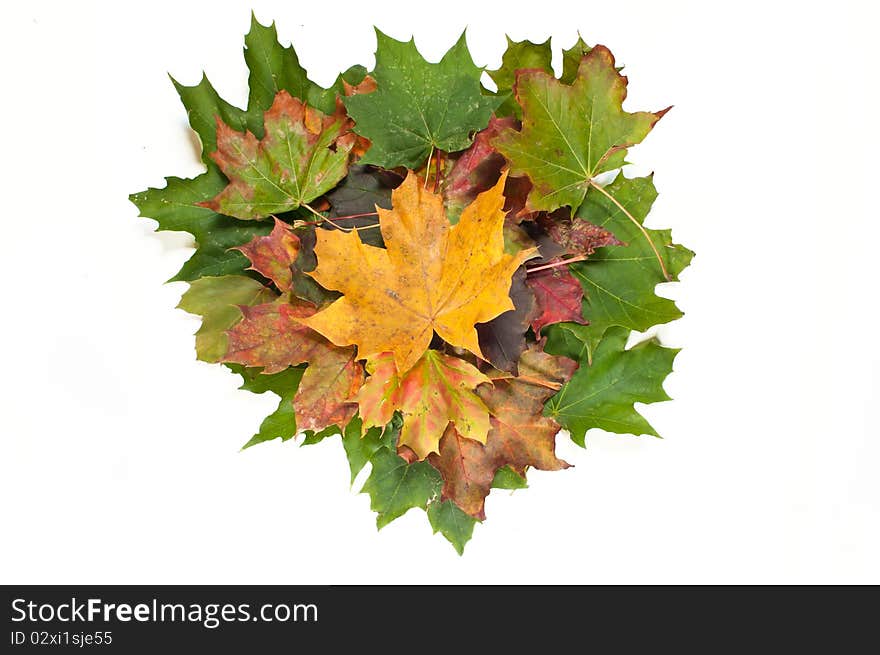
(440, 274)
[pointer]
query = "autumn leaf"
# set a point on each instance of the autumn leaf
(570, 134)
(467, 469)
(404, 293)
(476, 170)
(273, 255)
(419, 107)
(602, 395)
(520, 435)
(324, 396)
(558, 297)
(567, 235)
(303, 154)
(428, 238)
(272, 336)
(437, 391)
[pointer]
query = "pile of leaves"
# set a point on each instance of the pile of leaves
(431, 270)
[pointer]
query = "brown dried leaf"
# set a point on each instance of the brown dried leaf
(520, 436)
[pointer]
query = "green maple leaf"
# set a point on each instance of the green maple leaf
(176, 207)
(395, 486)
(519, 55)
(507, 478)
(602, 395)
(619, 281)
(571, 134)
(419, 106)
(216, 300)
(275, 68)
(311, 437)
(360, 446)
(280, 424)
(203, 106)
(446, 518)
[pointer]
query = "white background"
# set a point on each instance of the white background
(119, 460)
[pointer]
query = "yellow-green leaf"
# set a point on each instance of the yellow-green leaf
(217, 301)
(570, 134)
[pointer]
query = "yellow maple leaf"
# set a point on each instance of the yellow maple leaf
(430, 277)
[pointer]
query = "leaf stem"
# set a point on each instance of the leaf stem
(428, 167)
(641, 227)
(437, 172)
(563, 262)
(538, 381)
(338, 218)
(341, 218)
(339, 227)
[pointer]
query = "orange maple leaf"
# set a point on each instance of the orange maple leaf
(432, 276)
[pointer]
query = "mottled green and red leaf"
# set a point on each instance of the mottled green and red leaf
(437, 391)
(303, 154)
(477, 169)
(571, 133)
(324, 396)
(272, 256)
